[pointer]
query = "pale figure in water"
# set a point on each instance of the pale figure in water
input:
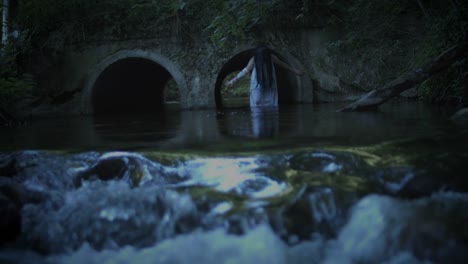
(263, 85)
(263, 90)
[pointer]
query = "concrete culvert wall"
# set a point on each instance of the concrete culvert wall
(130, 85)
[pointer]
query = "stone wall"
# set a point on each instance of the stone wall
(195, 67)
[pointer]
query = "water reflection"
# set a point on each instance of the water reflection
(137, 128)
(299, 125)
(197, 126)
(51, 133)
(256, 122)
(265, 122)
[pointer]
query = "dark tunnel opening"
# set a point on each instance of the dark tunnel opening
(131, 85)
(287, 83)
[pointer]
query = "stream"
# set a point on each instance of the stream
(298, 184)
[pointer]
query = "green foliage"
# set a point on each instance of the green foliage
(13, 88)
(308, 13)
(449, 86)
(241, 89)
(384, 39)
(79, 20)
(448, 28)
(236, 18)
(14, 84)
(221, 20)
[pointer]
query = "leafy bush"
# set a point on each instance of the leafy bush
(240, 89)
(384, 39)
(14, 84)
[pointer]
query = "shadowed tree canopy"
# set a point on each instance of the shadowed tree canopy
(379, 96)
(373, 46)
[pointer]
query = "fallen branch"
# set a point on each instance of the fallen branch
(378, 96)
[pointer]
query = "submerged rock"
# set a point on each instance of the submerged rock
(288, 209)
(132, 168)
(316, 161)
(13, 196)
(444, 172)
(43, 171)
(9, 167)
(432, 229)
(108, 215)
(328, 162)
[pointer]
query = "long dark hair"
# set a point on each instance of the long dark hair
(264, 67)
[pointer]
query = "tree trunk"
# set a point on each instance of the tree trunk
(5, 12)
(378, 96)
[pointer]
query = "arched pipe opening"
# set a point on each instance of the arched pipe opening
(288, 85)
(132, 85)
(132, 81)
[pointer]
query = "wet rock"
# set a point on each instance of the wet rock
(38, 169)
(243, 222)
(295, 220)
(13, 196)
(10, 220)
(109, 215)
(107, 169)
(47, 172)
(252, 186)
(132, 168)
(9, 167)
(327, 162)
(312, 211)
(18, 194)
(420, 186)
(391, 180)
(27, 158)
(13, 191)
(315, 161)
(433, 229)
(444, 172)
(423, 185)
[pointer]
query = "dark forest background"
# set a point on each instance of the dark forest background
(379, 39)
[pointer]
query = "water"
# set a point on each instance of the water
(299, 184)
(241, 129)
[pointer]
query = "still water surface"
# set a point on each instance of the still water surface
(240, 129)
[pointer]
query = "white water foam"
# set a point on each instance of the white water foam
(381, 229)
(230, 175)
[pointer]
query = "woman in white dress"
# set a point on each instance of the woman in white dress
(263, 91)
(263, 86)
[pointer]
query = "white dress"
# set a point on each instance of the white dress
(260, 96)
